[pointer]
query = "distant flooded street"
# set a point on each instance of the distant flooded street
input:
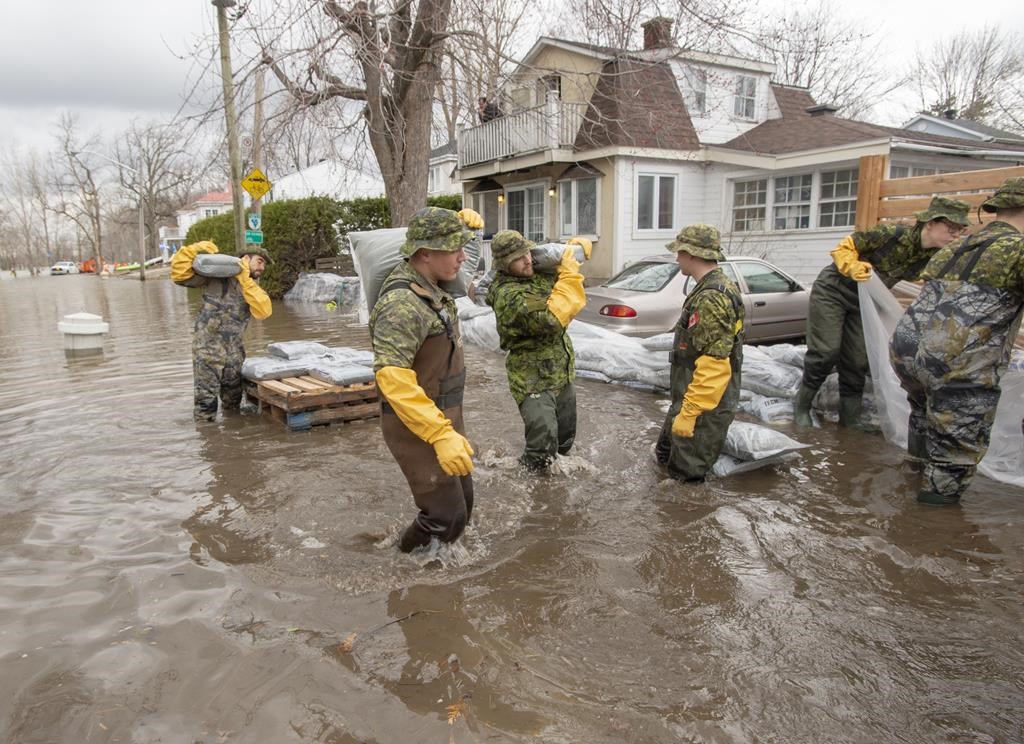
(163, 580)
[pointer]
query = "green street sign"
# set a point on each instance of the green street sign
(254, 236)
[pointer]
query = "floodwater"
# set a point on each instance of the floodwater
(163, 580)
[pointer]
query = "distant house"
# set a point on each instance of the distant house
(626, 147)
(443, 162)
(950, 126)
(209, 204)
(328, 178)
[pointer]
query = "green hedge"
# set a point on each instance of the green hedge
(296, 232)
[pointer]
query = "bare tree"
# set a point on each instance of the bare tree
(388, 60)
(974, 74)
(76, 185)
(836, 58)
(163, 172)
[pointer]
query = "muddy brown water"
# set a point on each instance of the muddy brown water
(168, 581)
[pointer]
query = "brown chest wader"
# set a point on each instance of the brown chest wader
(690, 459)
(445, 502)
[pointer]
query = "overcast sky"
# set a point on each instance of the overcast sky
(114, 60)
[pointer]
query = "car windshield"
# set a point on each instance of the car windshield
(644, 277)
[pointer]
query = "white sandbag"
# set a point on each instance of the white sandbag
(481, 330)
(764, 375)
(729, 465)
(769, 410)
(375, 253)
(216, 265)
(547, 256)
(753, 442)
(340, 373)
(273, 368)
(661, 342)
(296, 349)
(315, 287)
(349, 355)
(589, 374)
(792, 354)
(1004, 460)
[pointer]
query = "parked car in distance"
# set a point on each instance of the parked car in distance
(63, 267)
(646, 298)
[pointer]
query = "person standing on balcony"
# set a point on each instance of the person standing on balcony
(835, 335)
(533, 312)
(952, 346)
(488, 110)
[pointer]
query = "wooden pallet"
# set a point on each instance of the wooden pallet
(303, 402)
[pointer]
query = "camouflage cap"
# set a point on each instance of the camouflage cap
(1008, 196)
(942, 207)
(507, 246)
(436, 229)
(702, 241)
(258, 250)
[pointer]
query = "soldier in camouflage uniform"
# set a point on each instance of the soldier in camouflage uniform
(533, 312)
(707, 357)
(952, 346)
(835, 336)
(417, 346)
(217, 348)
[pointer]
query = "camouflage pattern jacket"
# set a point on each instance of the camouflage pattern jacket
(401, 320)
(894, 251)
(540, 354)
(962, 325)
(222, 318)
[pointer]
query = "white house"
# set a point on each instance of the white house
(627, 147)
(443, 162)
(209, 204)
(948, 125)
(328, 178)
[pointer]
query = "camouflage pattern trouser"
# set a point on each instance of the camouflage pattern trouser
(835, 335)
(550, 423)
(949, 429)
(217, 373)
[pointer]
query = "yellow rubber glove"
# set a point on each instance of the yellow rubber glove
(422, 417)
(181, 262)
(711, 377)
(471, 218)
(258, 300)
(567, 297)
(847, 260)
(585, 244)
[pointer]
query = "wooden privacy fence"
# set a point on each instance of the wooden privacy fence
(880, 198)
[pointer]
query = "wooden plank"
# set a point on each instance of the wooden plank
(872, 170)
(297, 402)
(277, 386)
(306, 386)
(950, 183)
(345, 413)
(889, 208)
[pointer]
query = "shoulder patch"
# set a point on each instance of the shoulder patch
(694, 319)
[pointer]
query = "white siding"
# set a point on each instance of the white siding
(719, 123)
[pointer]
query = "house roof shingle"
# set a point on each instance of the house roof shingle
(637, 104)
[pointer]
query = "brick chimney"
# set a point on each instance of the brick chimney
(658, 33)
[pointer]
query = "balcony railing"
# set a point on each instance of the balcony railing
(548, 127)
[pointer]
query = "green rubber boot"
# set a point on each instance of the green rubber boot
(930, 498)
(850, 411)
(802, 406)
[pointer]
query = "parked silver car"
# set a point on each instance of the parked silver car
(646, 297)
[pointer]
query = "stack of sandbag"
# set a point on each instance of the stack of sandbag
(339, 365)
(323, 287)
(750, 446)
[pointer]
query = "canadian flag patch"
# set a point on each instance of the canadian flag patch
(694, 320)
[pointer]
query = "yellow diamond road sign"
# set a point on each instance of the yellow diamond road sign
(256, 184)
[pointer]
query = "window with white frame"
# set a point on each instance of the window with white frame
(210, 212)
(697, 82)
(655, 202)
(578, 206)
(746, 97)
(525, 211)
(792, 210)
(433, 179)
(837, 198)
(749, 205)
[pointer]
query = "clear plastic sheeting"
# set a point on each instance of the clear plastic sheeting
(322, 287)
(296, 349)
(1004, 460)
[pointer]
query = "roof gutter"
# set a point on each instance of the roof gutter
(993, 154)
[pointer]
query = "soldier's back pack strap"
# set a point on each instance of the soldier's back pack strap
(889, 246)
(965, 247)
(427, 297)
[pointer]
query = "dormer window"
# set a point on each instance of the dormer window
(697, 82)
(746, 96)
